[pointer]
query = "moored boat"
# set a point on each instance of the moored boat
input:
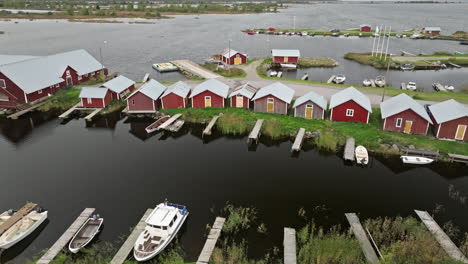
(165, 67)
(407, 67)
(367, 82)
(154, 126)
(362, 157)
(449, 87)
(411, 86)
(176, 126)
(86, 233)
(416, 160)
(273, 73)
(340, 78)
(380, 81)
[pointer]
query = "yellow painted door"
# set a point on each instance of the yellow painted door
(239, 101)
(237, 61)
(461, 129)
(208, 101)
(408, 125)
(285, 59)
(308, 112)
(270, 107)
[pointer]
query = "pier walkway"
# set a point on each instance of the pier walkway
(361, 236)
(331, 79)
(445, 242)
(210, 243)
(255, 133)
(289, 243)
(66, 237)
(458, 158)
(349, 149)
(169, 122)
(207, 130)
(95, 112)
(298, 141)
(195, 69)
(25, 111)
(69, 111)
(127, 246)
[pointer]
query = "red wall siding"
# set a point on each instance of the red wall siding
(339, 112)
(279, 59)
(449, 128)
(198, 101)
(365, 29)
(142, 103)
(12, 88)
(72, 74)
(173, 101)
(97, 102)
(36, 95)
(231, 60)
(245, 102)
(418, 127)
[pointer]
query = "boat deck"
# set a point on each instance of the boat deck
(26, 209)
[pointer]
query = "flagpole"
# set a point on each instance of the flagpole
(388, 41)
(373, 44)
(378, 43)
(383, 42)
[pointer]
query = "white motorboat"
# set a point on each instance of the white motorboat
(288, 65)
(411, 86)
(162, 226)
(86, 233)
(449, 87)
(23, 228)
(407, 67)
(367, 82)
(380, 81)
(340, 78)
(273, 73)
(362, 157)
(304, 33)
(416, 36)
(416, 160)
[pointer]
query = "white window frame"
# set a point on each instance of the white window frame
(400, 121)
(2, 83)
(309, 106)
(89, 100)
(39, 92)
(270, 100)
(350, 112)
(208, 97)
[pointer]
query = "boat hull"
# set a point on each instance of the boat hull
(416, 160)
(25, 234)
(77, 249)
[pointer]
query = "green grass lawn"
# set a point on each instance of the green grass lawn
(232, 72)
(62, 100)
(316, 62)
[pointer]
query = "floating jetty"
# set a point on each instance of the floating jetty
(361, 236)
(92, 114)
(66, 237)
(458, 158)
(255, 133)
(26, 209)
(169, 122)
(445, 242)
(289, 243)
(25, 111)
(348, 153)
(207, 130)
(331, 79)
(210, 243)
(176, 126)
(298, 141)
(194, 69)
(127, 246)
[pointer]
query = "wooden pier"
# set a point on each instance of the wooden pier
(289, 243)
(195, 69)
(26, 209)
(69, 111)
(210, 125)
(445, 242)
(454, 65)
(95, 112)
(169, 122)
(210, 243)
(25, 111)
(255, 133)
(421, 152)
(66, 237)
(298, 141)
(331, 79)
(127, 246)
(403, 86)
(361, 236)
(348, 153)
(146, 77)
(458, 158)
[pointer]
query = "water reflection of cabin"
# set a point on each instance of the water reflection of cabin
(310, 106)
(146, 99)
(350, 105)
(285, 56)
(241, 96)
(274, 98)
(210, 93)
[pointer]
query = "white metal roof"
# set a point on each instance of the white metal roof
(246, 90)
(228, 53)
(162, 216)
(432, 28)
(179, 88)
(7, 59)
(119, 84)
(276, 89)
(350, 93)
(213, 86)
(285, 53)
(448, 110)
(153, 89)
(311, 96)
(400, 103)
(93, 92)
(36, 74)
(365, 25)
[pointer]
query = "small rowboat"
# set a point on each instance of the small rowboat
(176, 126)
(416, 160)
(86, 233)
(154, 126)
(362, 157)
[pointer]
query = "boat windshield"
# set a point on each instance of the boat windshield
(158, 227)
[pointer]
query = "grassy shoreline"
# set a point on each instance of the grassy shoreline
(232, 72)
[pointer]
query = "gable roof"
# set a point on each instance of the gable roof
(213, 86)
(311, 96)
(36, 74)
(179, 88)
(448, 110)
(93, 92)
(246, 90)
(285, 53)
(228, 53)
(119, 84)
(276, 89)
(152, 88)
(7, 59)
(400, 103)
(350, 93)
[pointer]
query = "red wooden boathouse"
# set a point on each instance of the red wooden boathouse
(350, 105)
(285, 56)
(233, 57)
(273, 98)
(450, 120)
(95, 97)
(176, 96)
(146, 99)
(210, 93)
(241, 96)
(120, 86)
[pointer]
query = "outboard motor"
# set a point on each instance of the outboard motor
(96, 216)
(11, 212)
(39, 209)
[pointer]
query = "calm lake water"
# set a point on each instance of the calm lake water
(111, 163)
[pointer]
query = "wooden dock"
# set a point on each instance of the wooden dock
(26, 209)
(255, 133)
(69, 111)
(146, 77)
(298, 141)
(210, 243)
(445, 242)
(361, 236)
(403, 86)
(453, 65)
(127, 246)
(331, 79)
(421, 152)
(348, 153)
(169, 122)
(289, 243)
(25, 111)
(458, 158)
(95, 112)
(210, 125)
(195, 69)
(66, 237)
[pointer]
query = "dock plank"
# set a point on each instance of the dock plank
(95, 112)
(331, 79)
(445, 242)
(210, 243)
(207, 130)
(289, 243)
(349, 149)
(190, 66)
(169, 122)
(127, 246)
(66, 237)
(298, 141)
(361, 236)
(25, 111)
(26, 209)
(69, 111)
(255, 133)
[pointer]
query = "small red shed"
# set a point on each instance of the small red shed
(95, 97)
(210, 93)
(146, 99)
(365, 28)
(431, 30)
(310, 106)
(450, 120)
(176, 96)
(403, 114)
(285, 56)
(232, 57)
(350, 105)
(241, 96)
(120, 86)
(274, 98)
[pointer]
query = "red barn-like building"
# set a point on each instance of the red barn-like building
(365, 28)
(274, 98)
(310, 106)
(403, 114)
(241, 96)
(285, 56)
(210, 93)
(24, 79)
(431, 30)
(450, 120)
(120, 86)
(350, 105)
(176, 96)
(95, 97)
(232, 57)
(146, 99)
